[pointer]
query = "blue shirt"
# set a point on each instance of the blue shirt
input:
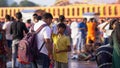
(82, 25)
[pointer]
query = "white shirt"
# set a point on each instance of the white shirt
(74, 29)
(100, 26)
(6, 27)
(105, 35)
(45, 33)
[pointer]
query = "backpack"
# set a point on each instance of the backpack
(27, 47)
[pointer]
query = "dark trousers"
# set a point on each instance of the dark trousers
(9, 43)
(42, 61)
(106, 41)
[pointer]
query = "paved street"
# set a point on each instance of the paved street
(81, 64)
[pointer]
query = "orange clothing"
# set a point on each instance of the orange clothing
(91, 26)
(90, 38)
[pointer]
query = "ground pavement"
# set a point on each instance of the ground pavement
(82, 64)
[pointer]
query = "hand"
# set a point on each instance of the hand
(51, 59)
(58, 51)
(104, 30)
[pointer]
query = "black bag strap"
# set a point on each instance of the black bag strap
(41, 47)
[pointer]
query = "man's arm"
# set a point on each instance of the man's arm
(11, 31)
(48, 42)
(103, 29)
(48, 46)
(25, 28)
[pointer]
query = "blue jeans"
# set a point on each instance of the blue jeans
(42, 61)
(81, 41)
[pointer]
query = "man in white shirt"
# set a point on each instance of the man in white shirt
(6, 28)
(44, 36)
(105, 29)
(74, 36)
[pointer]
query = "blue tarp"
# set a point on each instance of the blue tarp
(90, 14)
(28, 11)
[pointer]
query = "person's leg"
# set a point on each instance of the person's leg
(79, 43)
(87, 40)
(43, 61)
(64, 65)
(9, 43)
(74, 48)
(14, 52)
(74, 43)
(93, 38)
(82, 44)
(57, 65)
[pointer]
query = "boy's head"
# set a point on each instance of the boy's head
(36, 19)
(29, 21)
(47, 17)
(61, 18)
(61, 27)
(34, 16)
(7, 17)
(18, 15)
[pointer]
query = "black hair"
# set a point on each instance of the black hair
(113, 21)
(47, 16)
(62, 25)
(35, 15)
(12, 19)
(18, 15)
(39, 18)
(8, 17)
(91, 19)
(84, 19)
(29, 21)
(61, 18)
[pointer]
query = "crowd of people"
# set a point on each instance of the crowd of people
(85, 40)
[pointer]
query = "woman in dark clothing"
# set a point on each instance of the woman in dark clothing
(106, 53)
(3, 48)
(115, 43)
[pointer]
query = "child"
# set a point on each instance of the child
(61, 47)
(90, 50)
